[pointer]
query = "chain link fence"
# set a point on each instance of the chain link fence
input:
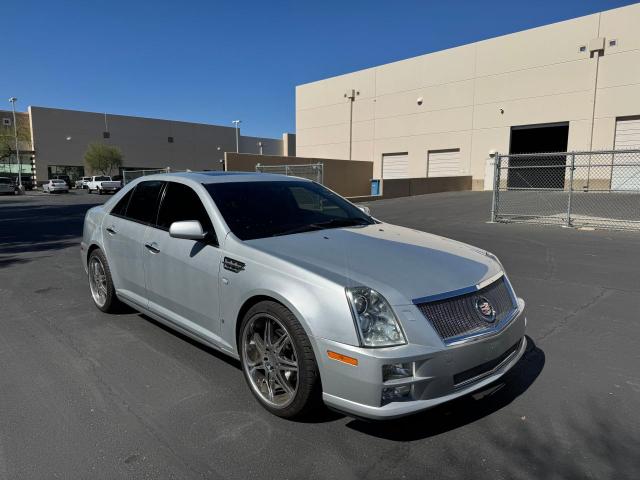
(598, 189)
(313, 171)
(130, 175)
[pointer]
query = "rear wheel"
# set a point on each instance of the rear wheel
(102, 290)
(278, 361)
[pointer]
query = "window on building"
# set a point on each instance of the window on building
(170, 139)
(106, 134)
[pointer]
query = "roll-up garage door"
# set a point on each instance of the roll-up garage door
(625, 175)
(443, 163)
(395, 166)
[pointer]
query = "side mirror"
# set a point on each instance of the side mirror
(189, 230)
(366, 210)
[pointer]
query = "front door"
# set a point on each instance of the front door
(124, 231)
(182, 275)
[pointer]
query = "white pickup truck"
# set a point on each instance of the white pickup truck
(103, 184)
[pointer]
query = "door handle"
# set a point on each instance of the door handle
(152, 247)
(111, 230)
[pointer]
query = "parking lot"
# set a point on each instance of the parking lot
(84, 394)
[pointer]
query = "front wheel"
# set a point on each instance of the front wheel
(278, 361)
(101, 284)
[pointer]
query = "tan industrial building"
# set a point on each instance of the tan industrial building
(573, 85)
(54, 142)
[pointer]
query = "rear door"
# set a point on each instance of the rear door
(124, 231)
(182, 275)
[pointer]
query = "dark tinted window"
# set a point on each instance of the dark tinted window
(266, 209)
(121, 207)
(180, 203)
(5, 180)
(144, 201)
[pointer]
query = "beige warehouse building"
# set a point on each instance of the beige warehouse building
(573, 85)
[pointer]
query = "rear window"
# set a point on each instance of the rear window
(103, 179)
(57, 181)
(143, 205)
(6, 181)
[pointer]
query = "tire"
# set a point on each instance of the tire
(307, 395)
(110, 303)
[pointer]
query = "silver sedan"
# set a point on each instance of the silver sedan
(318, 300)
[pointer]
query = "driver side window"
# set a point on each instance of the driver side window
(181, 203)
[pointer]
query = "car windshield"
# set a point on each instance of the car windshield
(103, 179)
(268, 209)
(57, 181)
(5, 180)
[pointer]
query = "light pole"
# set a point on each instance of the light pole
(13, 101)
(351, 96)
(237, 124)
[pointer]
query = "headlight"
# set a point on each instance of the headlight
(374, 318)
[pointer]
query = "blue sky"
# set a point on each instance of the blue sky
(213, 61)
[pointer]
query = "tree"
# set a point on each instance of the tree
(5, 148)
(103, 158)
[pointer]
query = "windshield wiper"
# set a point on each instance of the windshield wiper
(333, 223)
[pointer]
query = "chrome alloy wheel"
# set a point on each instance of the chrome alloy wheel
(97, 281)
(270, 360)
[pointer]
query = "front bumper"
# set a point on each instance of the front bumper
(439, 374)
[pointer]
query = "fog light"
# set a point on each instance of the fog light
(395, 394)
(396, 371)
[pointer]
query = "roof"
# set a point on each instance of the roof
(227, 177)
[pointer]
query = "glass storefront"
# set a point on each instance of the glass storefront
(73, 171)
(9, 168)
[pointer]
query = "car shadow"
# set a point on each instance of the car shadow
(28, 228)
(462, 411)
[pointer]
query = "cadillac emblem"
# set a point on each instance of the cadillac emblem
(485, 309)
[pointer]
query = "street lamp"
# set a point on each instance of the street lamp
(13, 101)
(237, 124)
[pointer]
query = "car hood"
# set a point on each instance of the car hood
(401, 263)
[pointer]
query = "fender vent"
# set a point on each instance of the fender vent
(232, 265)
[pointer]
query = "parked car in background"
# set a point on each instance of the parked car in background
(55, 185)
(6, 186)
(103, 184)
(118, 178)
(82, 182)
(317, 299)
(66, 178)
(27, 182)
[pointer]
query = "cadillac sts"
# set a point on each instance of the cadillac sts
(319, 301)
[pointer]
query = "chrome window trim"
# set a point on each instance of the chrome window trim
(461, 291)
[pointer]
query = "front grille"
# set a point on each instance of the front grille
(458, 316)
(477, 373)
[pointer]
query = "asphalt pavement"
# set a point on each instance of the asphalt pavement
(85, 394)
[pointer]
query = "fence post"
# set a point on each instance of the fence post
(496, 184)
(571, 169)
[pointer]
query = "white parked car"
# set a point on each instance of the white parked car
(103, 184)
(55, 185)
(82, 182)
(6, 186)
